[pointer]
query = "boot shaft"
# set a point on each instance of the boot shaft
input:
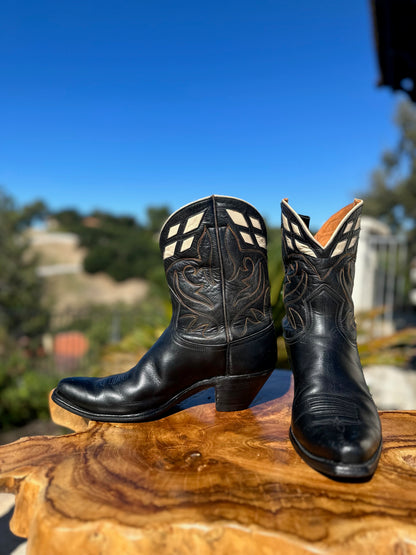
(215, 258)
(319, 272)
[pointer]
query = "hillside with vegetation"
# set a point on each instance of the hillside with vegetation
(67, 286)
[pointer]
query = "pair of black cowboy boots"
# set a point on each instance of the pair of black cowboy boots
(221, 333)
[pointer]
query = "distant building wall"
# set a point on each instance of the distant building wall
(380, 274)
(49, 237)
(366, 268)
(59, 252)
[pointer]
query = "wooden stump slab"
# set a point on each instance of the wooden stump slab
(203, 482)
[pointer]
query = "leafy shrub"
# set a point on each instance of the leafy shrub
(24, 389)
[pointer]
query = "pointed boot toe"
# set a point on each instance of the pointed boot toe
(221, 333)
(338, 445)
(70, 389)
(77, 395)
(335, 424)
(339, 456)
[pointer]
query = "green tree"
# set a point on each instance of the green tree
(23, 318)
(156, 217)
(21, 311)
(392, 193)
(69, 220)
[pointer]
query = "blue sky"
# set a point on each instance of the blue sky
(121, 105)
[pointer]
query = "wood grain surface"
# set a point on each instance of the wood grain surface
(203, 482)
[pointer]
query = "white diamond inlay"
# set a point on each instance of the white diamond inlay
(340, 248)
(304, 248)
(237, 218)
(186, 244)
(296, 229)
(173, 230)
(285, 223)
(357, 225)
(261, 241)
(255, 222)
(289, 243)
(348, 227)
(169, 250)
(352, 242)
(247, 237)
(193, 222)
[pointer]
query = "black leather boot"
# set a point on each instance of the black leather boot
(221, 332)
(335, 425)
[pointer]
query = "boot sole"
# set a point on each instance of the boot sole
(338, 470)
(232, 393)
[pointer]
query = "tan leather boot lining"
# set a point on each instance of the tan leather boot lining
(327, 230)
